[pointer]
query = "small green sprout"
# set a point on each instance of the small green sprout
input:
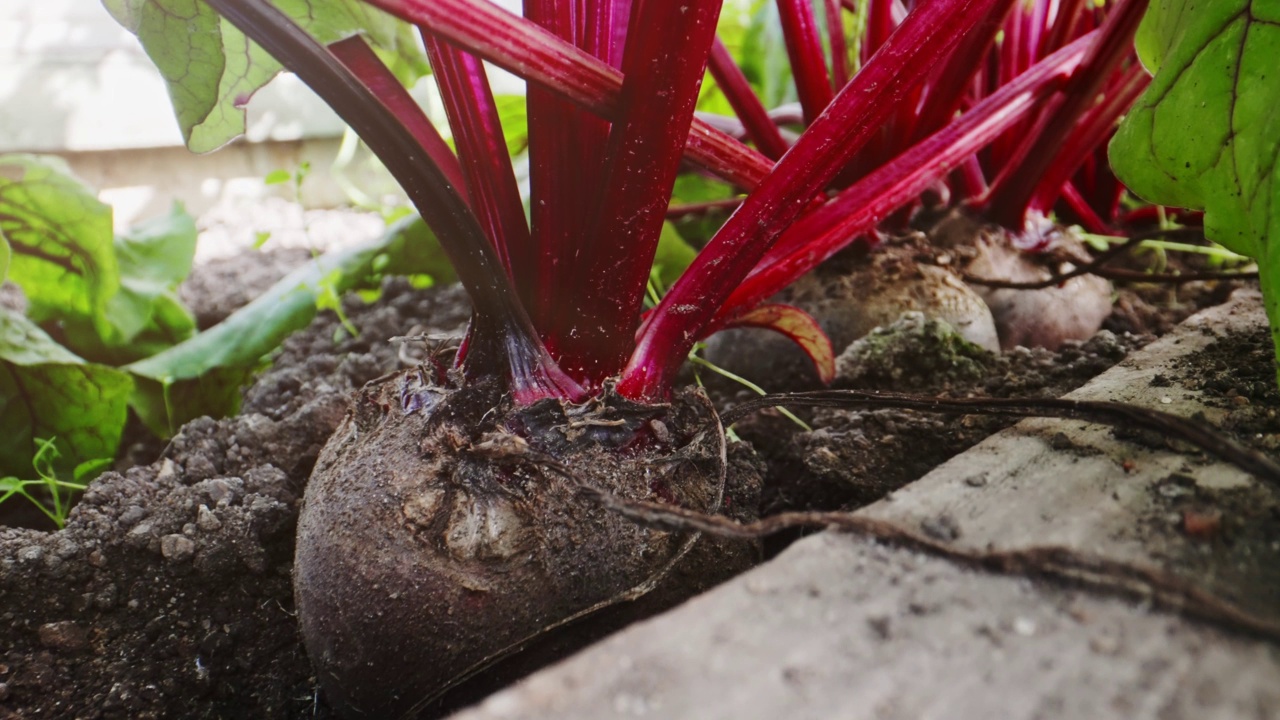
(51, 495)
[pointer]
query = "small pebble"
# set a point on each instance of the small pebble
(222, 490)
(168, 470)
(30, 554)
(66, 548)
(132, 515)
(206, 520)
(65, 635)
(177, 548)
(105, 598)
(1025, 627)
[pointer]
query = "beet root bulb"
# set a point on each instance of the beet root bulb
(441, 534)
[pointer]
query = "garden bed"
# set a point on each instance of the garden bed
(169, 593)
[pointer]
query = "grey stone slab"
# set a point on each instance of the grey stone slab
(841, 627)
(1070, 484)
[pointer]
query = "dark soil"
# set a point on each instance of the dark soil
(855, 457)
(1236, 529)
(168, 595)
(222, 285)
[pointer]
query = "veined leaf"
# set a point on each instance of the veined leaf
(800, 327)
(46, 391)
(212, 69)
(61, 241)
(112, 298)
(1206, 134)
(144, 316)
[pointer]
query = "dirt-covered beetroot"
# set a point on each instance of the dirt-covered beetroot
(849, 297)
(440, 534)
(922, 272)
(1043, 317)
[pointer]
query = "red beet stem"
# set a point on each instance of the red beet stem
(746, 105)
(664, 62)
(820, 234)
(804, 48)
(1011, 192)
(928, 34)
(482, 148)
(503, 342)
(520, 46)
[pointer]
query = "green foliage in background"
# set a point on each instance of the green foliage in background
(104, 333)
(212, 69)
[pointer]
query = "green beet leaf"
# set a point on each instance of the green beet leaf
(403, 56)
(1206, 134)
(109, 299)
(144, 316)
(203, 375)
(672, 257)
(48, 392)
(513, 115)
(211, 69)
(61, 242)
(762, 55)
(698, 228)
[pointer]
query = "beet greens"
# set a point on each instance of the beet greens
(1207, 135)
(955, 94)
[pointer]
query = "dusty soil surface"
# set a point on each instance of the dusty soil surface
(168, 594)
(1237, 528)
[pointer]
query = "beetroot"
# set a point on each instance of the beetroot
(439, 533)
